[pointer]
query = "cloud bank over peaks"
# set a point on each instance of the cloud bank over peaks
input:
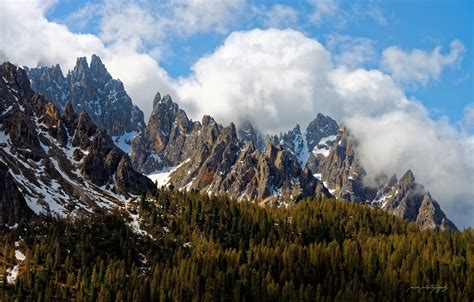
(260, 73)
(278, 78)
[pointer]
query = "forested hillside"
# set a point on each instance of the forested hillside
(214, 249)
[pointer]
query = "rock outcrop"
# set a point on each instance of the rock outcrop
(322, 127)
(162, 142)
(340, 169)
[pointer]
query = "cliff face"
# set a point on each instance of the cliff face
(61, 162)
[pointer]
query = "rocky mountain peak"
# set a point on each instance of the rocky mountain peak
(321, 127)
(15, 77)
(407, 180)
(81, 67)
(97, 68)
(156, 100)
(161, 143)
(90, 88)
(409, 200)
(430, 216)
(247, 133)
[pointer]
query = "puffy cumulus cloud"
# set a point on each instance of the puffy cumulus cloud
(419, 67)
(37, 41)
(118, 24)
(284, 76)
(260, 73)
(277, 78)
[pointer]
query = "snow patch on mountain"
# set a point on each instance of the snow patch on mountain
(124, 141)
(324, 146)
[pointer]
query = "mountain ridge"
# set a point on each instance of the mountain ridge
(62, 163)
(208, 157)
(90, 88)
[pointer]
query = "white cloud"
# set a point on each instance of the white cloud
(260, 73)
(374, 11)
(468, 118)
(323, 8)
(280, 77)
(351, 51)
(79, 20)
(119, 24)
(419, 67)
(440, 156)
(278, 15)
(192, 16)
(35, 40)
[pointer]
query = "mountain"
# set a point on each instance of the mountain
(295, 142)
(315, 142)
(92, 89)
(343, 174)
(201, 155)
(208, 157)
(62, 163)
(246, 132)
(408, 199)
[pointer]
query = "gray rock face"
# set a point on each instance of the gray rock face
(321, 127)
(247, 133)
(314, 144)
(341, 170)
(408, 199)
(62, 163)
(342, 173)
(213, 159)
(93, 90)
(295, 142)
(430, 216)
(162, 143)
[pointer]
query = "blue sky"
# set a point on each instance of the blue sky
(409, 24)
